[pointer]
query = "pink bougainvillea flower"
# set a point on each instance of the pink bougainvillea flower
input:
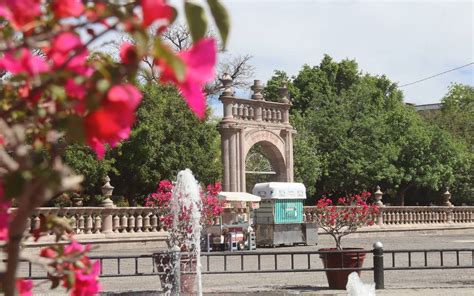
(154, 10)
(67, 8)
(128, 53)
(74, 90)
(48, 253)
(86, 282)
(22, 61)
(200, 61)
(65, 44)
(24, 287)
(112, 121)
(4, 215)
(20, 12)
(76, 248)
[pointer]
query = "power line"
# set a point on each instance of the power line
(436, 75)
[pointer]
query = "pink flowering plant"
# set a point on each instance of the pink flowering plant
(345, 215)
(211, 208)
(56, 90)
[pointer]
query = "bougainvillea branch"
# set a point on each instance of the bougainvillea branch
(345, 215)
(211, 208)
(54, 91)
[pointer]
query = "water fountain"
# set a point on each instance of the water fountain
(181, 265)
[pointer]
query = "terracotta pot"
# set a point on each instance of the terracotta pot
(164, 264)
(338, 259)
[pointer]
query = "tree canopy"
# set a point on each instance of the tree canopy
(356, 132)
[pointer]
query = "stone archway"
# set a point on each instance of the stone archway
(247, 123)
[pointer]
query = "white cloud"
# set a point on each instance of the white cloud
(405, 40)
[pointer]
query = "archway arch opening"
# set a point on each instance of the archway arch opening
(264, 163)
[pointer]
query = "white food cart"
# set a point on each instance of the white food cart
(234, 229)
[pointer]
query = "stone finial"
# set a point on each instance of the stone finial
(227, 83)
(283, 92)
(378, 196)
(257, 88)
(107, 190)
(446, 198)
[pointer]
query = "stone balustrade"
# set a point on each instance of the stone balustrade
(394, 215)
(91, 220)
(253, 110)
(135, 220)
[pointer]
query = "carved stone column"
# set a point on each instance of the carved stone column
(107, 203)
(378, 201)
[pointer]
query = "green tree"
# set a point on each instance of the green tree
(84, 162)
(457, 112)
(167, 138)
(359, 133)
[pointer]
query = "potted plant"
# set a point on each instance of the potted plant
(340, 218)
(178, 242)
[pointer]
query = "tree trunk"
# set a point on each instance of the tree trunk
(401, 194)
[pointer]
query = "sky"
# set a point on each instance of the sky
(405, 40)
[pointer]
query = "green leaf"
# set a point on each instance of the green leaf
(221, 18)
(196, 19)
(164, 52)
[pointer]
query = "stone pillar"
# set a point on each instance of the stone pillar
(446, 198)
(242, 160)
(447, 203)
(233, 163)
(378, 201)
(257, 88)
(378, 196)
(283, 92)
(107, 203)
(225, 160)
(226, 94)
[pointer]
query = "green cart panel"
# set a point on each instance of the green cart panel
(288, 211)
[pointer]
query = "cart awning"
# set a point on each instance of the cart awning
(239, 196)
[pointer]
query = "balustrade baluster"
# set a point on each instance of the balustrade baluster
(274, 115)
(410, 218)
(98, 223)
(241, 111)
(116, 223)
(131, 223)
(124, 222)
(264, 114)
(139, 220)
(279, 116)
(397, 218)
(80, 222)
(405, 217)
(246, 112)
(146, 222)
(89, 222)
(251, 113)
(234, 110)
(154, 222)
